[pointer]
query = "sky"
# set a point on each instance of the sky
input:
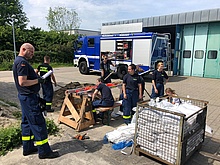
(95, 12)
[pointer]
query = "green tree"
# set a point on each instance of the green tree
(12, 9)
(60, 19)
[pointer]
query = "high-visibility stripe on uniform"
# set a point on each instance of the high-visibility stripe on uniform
(43, 69)
(48, 103)
(126, 117)
(94, 110)
(39, 143)
(26, 138)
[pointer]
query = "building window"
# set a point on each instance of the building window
(199, 54)
(91, 42)
(186, 54)
(212, 54)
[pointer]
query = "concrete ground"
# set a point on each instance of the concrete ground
(93, 151)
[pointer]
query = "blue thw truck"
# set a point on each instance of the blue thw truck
(142, 49)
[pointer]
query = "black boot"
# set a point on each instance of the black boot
(50, 155)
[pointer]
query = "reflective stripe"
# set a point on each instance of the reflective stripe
(48, 103)
(26, 138)
(43, 69)
(94, 110)
(39, 143)
(126, 117)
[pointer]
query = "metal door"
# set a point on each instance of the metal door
(212, 64)
(187, 49)
(199, 50)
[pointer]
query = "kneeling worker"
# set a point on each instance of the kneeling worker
(106, 100)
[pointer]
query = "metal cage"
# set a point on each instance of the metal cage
(168, 136)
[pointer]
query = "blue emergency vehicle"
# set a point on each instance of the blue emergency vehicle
(143, 49)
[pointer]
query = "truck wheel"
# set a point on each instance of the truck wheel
(122, 70)
(83, 69)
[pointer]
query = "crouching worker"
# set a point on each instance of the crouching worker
(106, 98)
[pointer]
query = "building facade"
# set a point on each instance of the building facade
(194, 37)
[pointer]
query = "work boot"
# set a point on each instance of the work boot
(32, 151)
(95, 116)
(127, 121)
(51, 155)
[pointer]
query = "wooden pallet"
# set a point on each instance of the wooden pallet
(76, 111)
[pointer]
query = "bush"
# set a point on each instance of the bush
(5, 65)
(7, 56)
(10, 137)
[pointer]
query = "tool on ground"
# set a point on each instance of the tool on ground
(81, 137)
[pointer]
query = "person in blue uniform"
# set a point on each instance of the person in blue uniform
(132, 92)
(47, 87)
(106, 98)
(105, 69)
(33, 123)
(158, 77)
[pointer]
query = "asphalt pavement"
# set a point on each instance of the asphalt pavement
(93, 151)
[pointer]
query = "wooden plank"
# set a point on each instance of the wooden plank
(61, 111)
(89, 115)
(212, 156)
(72, 109)
(85, 125)
(68, 121)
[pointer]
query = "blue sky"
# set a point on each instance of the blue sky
(95, 12)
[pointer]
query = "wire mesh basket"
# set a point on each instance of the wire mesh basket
(168, 133)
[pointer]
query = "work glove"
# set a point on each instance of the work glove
(41, 80)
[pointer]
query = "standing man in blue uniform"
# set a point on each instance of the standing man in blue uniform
(132, 92)
(105, 69)
(33, 123)
(158, 81)
(47, 87)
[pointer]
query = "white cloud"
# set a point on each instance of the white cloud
(95, 12)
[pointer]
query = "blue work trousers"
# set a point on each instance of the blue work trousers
(47, 89)
(33, 125)
(129, 103)
(102, 103)
(160, 88)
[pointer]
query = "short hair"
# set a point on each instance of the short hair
(47, 58)
(170, 90)
(159, 63)
(133, 67)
